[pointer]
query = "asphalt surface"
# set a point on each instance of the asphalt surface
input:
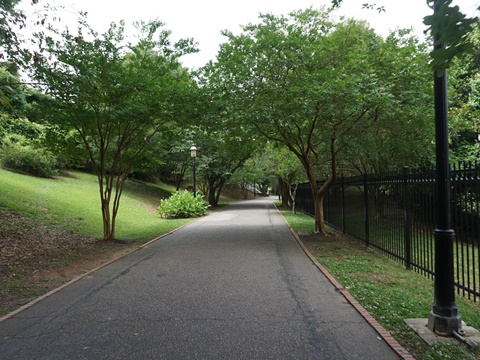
(232, 285)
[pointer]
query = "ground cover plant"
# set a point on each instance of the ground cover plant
(50, 230)
(183, 205)
(388, 291)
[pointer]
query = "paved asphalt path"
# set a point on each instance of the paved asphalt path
(232, 285)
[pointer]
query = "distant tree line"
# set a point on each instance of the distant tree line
(291, 98)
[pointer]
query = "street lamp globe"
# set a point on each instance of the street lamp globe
(193, 151)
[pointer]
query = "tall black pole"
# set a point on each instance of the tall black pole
(193, 154)
(443, 318)
(194, 180)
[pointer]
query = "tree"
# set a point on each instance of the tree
(465, 103)
(172, 154)
(116, 97)
(15, 127)
(404, 132)
(221, 154)
(289, 171)
(9, 17)
(12, 99)
(453, 27)
(310, 84)
(12, 45)
(224, 143)
(248, 177)
(274, 165)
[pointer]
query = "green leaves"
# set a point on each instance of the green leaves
(182, 205)
(324, 89)
(116, 96)
(464, 91)
(449, 28)
(28, 159)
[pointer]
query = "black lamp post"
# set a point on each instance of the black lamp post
(443, 318)
(193, 154)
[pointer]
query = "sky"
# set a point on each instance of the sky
(203, 20)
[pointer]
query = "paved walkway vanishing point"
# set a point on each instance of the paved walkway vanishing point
(232, 285)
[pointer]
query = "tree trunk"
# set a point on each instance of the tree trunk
(219, 191)
(243, 186)
(293, 194)
(106, 218)
(319, 195)
(319, 218)
(284, 192)
(107, 182)
(105, 187)
(211, 194)
(181, 174)
(203, 187)
(116, 201)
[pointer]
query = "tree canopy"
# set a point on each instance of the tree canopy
(318, 87)
(115, 96)
(339, 97)
(449, 27)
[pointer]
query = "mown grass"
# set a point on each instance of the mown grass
(389, 234)
(386, 289)
(74, 202)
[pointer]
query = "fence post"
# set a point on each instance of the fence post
(343, 205)
(365, 196)
(408, 219)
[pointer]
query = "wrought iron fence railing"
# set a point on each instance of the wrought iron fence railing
(396, 213)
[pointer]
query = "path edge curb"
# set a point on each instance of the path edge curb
(384, 334)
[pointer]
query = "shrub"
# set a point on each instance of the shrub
(182, 205)
(27, 159)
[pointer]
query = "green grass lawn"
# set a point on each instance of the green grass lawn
(74, 202)
(386, 289)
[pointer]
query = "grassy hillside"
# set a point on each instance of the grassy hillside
(50, 230)
(73, 202)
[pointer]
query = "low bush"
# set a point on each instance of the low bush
(27, 159)
(182, 205)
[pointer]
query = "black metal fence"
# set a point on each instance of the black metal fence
(396, 213)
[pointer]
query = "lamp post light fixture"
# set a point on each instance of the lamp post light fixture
(193, 154)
